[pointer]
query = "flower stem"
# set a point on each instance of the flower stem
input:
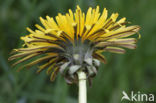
(82, 87)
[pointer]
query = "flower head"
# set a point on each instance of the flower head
(75, 42)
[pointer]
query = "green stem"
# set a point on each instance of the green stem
(82, 87)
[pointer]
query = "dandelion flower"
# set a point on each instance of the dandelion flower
(74, 42)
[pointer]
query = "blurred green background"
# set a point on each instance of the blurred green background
(133, 71)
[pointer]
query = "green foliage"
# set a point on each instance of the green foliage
(133, 71)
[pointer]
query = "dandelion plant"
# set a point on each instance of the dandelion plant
(72, 44)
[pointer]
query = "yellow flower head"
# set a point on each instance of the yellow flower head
(74, 42)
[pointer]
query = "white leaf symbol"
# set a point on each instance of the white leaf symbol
(125, 96)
